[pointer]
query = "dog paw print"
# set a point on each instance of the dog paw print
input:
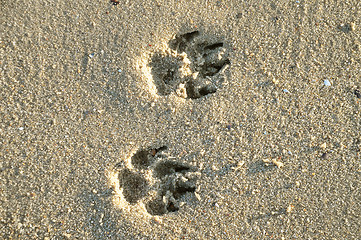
(157, 180)
(192, 67)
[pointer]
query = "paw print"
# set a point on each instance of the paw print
(192, 67)
(157, 181)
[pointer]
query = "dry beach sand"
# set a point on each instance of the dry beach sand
(180, 119)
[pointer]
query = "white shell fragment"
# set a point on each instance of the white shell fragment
(327, 83)
(275, 162)
(197, 196)
(240, 164)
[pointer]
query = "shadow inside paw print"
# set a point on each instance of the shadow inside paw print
(176, 180)
(134, 185)
(167, 71)
(145, 157)
(181, 42)
(165, 168)
(172, 179)
(193, 67)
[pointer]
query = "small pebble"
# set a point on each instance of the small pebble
(119, 70)
(357, 93)
(157, 220)
(290, 208)
(327, 83)
(323, 146)
(275, 81)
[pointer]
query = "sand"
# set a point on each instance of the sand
(180, 119)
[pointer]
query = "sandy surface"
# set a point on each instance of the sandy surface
(272, 151)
